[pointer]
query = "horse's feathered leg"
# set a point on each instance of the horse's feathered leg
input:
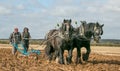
(49, 51)
(61, 58)
(78, 58)
(69, 58)
(56, 54)
(86, 56)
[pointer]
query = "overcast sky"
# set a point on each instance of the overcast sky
(42, 15)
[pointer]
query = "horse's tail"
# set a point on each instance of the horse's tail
(49, 49)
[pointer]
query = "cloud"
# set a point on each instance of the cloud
(41, 16)
(20, 7)
(111, 6)
(65, 11)
(4, 10)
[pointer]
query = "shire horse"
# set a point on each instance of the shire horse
(59, 40)
(82, 38)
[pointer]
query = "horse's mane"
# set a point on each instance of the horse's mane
(86, 29)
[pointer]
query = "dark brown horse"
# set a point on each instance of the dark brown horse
(59, 40)
(82, 38)
(90, 30)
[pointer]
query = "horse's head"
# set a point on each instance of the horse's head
(83, 22)
(98, 31)
(67, 28)
(82, 28)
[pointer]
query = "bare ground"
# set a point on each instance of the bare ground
(101, 59)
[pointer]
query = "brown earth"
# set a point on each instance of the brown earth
(101, 59)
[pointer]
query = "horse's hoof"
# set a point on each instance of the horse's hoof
(61, 63)
(85, 57)
(48, 61)
(68, 61)
(83, 62)
(78, 62)
(57, 60)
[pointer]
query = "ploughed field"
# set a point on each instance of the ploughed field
(101, 59)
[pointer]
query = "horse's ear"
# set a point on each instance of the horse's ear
(64, 20)
(102, 25)
(97, 24)
(75, 22)
(85, 22)
(70, 20)
(81, 21)
(58, 25)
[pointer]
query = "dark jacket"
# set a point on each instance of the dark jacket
(15, 37)
(26, 36)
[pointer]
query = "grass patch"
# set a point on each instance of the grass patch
(32, 41)
(3, 41)
(102, 43)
